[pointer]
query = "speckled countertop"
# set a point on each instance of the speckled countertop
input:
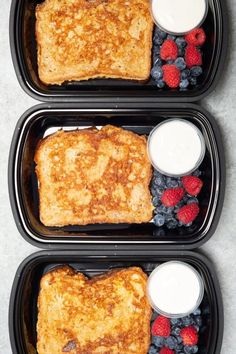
(222, 246)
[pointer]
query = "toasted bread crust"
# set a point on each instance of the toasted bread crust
(94, 176)
(81, 40)
(108, 314)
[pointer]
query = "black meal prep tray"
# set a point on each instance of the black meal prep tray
(132, 105)
(24, 55)
(42, 120)
(23, 301)
(98, 248)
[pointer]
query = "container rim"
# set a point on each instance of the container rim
(117, 98)
(114, 245)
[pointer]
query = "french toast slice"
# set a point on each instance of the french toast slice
(81, 40)
(91, 176)
(107, 314)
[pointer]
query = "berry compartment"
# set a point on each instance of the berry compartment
(23, 302)
(23, 186)
(24, 53)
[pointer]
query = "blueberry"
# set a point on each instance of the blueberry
(156, 201)
(168, 218)
(181, 52)
(187, 321)
(159, 36)
(197, 173)
(197, 328)
(170, 36)
(156, 72)
(181, 42)
(155, 57)
(158, 32)
(154, 315)
(180, 341)
(187, 349)
(159, 191)
(172, 182)
(159, 180)
(206, 310)
(180, 63)
(179, 205)
(195, 349)
(170, 61)
(171, 342)
(192, 200)
(159, 220)
(184, 84)
(156, 53)
(196, 71)
(156, 173)
(162, 209)
(158, 341)
(176, 331)
(156, 50)
(152, 350)
(158, 62)
(154, 191)
(193, 81)
(176, 321)
(197, 312)
(185, 198)
(179, 348)
(157, 40)
(172, 224)
(198, 321)
(190, 349)
(160, 83)
(185, 74)
(170, 211)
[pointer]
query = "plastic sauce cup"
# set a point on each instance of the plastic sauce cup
(176, 147)
(175, 289)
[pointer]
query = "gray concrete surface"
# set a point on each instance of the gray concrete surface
(221, 248)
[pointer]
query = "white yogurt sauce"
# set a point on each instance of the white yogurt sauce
(178, 16)
(176, 147)
(175, 289)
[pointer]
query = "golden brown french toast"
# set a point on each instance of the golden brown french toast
(93, 176)
(85, 39)
(108, 314)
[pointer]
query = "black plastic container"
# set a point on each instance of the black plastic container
(24, 54)
(23, 301)
(23, 186)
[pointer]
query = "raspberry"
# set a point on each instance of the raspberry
(189, 335)
(166, 350)
(172, 196)
(192, 184)
(161, 327)
(193, 57)
(169, 50)
(196, 37)
(171, 75)
(188, 213)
